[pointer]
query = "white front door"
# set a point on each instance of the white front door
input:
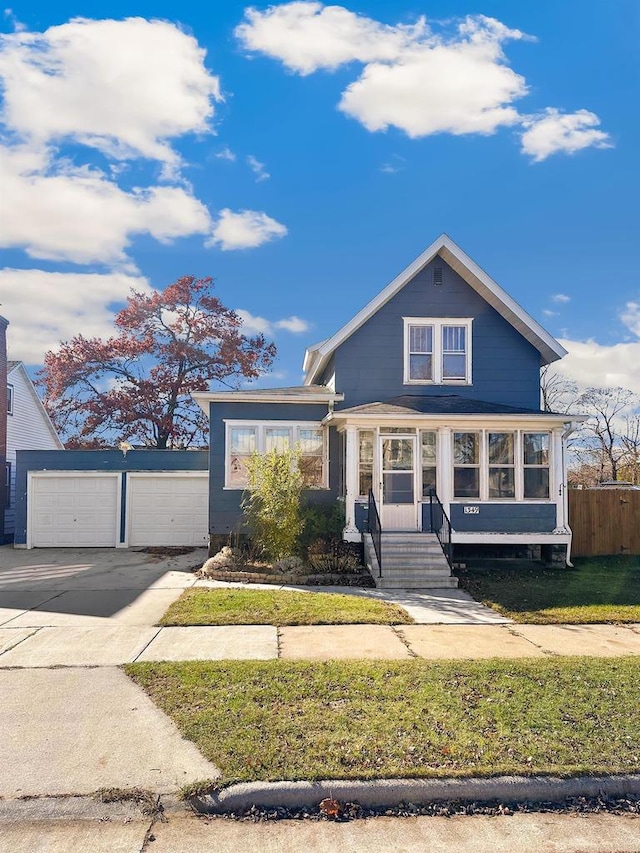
(398, 494)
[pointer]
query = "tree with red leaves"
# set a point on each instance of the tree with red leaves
(136, 385)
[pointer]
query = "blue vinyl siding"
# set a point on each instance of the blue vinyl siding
(225, 514)
(98, 460)
(522, 517)
(369, 364)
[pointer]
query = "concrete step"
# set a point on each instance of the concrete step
(416, 583)
(412, 556)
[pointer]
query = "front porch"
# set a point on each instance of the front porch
(499, 474)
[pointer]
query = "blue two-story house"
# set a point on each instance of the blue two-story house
(430, 393)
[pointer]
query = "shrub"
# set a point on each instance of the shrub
(322, 521)
(271, 503)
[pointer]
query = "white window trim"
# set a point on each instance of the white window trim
(519, 466)
(10, 398)
(260, 427)
(437, 323)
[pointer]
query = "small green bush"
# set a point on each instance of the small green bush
(272, 502)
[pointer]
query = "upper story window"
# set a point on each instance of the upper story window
(9, 399)
(437, 351)
(243, 439)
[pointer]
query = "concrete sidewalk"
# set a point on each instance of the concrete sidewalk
(39, 647)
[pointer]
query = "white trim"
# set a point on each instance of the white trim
(459, 538)
(10, 398)
(491, 420)
(437, 324)
(41, 475)
(550, 350)
(203, 398)
(133, 475)
(260, 427)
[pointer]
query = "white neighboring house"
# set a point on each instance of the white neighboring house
(29, 427)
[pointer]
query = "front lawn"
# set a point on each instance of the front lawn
(283, 720)
(279, 607)
(598, 589)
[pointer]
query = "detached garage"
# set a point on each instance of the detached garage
(69, 509)
(107, 499)
(168, 509)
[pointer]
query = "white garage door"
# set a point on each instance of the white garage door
(74, 510)
(168, 509)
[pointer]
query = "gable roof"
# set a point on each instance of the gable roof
(18, 366)
(317, 356)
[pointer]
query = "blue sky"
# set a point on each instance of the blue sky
(303, 155)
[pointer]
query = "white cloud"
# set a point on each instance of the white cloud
(123, 87)
(307, 36)
(455, 79)
(44, 308)
(415, 79)
(292, 324)
(252, 325)
(226, 154)
(245, 229)
(258, 325)
(395, 164)
(457, 87)
(548, 313)
(560, 298)
(592, 364)
(60, 212)
(631, 317)
(258, 168)
(554, 131)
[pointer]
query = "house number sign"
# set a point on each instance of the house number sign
(471, 510)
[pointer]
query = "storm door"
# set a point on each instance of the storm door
(398, 469)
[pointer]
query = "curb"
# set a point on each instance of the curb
(392, 792)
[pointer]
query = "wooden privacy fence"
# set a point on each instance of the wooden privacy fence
(604, 521)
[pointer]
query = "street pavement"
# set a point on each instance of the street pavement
(518, 833)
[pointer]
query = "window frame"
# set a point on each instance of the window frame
(437, 324)
(536, 467)
(475, 466)
(10, 398)
(260, 428)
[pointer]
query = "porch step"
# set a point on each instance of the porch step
(409, 561)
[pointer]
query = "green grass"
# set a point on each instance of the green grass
(279, 607)
(275, 720)
(598, 589)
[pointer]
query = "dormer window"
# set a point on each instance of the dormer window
(437, 351)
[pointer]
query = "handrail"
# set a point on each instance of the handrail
(441, 526)
(375, 529)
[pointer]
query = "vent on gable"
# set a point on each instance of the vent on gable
(437, 275)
